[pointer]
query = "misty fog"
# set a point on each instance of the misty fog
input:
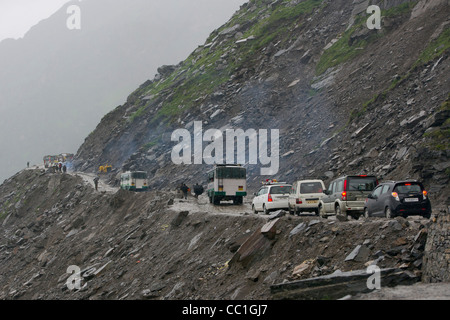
(56, 84)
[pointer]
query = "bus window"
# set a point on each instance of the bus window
(139, 175)
(231, 173)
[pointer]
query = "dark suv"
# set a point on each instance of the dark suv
(403, 198)
(346, 196)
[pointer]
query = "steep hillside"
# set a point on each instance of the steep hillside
(346, 99)
(156, 246)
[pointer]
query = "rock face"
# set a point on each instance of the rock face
(146, 248)
(437, 254)
(346, 99)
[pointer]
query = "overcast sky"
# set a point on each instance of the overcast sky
(18, 16)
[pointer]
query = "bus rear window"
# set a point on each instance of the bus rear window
(311, 187)
(231, 173)
(139, 175)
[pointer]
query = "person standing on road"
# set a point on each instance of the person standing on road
(184, 188)
(96, 183)
(64, 168)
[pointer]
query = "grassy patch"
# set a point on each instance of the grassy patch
(401, 9)
(279, 21)
(149, 145)
(344, 49)
(138, 113)
(436, 48)
(439, 139)
(200, 70)
(3, 215)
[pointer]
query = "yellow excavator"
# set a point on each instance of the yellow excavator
(105, 169)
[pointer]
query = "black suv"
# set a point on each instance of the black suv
(401, 198)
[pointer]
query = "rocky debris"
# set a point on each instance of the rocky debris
(436, 259)
(418, 291)
(339, 284)
(345, 119)
(360, 254)
(148, 249)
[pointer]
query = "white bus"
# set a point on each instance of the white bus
(134, 181)
(227, 182)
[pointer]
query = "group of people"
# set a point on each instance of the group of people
(198, 190)
(58, 167)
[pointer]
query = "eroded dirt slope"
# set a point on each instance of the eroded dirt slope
(156, 246)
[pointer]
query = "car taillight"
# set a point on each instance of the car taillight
(269, 199)
(344, 195)
(345, 185)
(425, 194)
(395, 195)
(298, 201)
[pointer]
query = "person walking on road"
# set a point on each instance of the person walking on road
(198, 190)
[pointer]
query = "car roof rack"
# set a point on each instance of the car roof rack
(269, 182)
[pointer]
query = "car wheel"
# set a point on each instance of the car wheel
(265, 210)
(254, 209)
(388, 213)
(366, 213)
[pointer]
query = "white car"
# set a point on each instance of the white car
(305, 196)
(271, 197)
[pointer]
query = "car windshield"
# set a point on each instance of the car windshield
(408, 188)
(311, 187)
(361, 183)
(280, 189)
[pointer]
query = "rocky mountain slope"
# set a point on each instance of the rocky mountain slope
(157, 246)
(346, 99)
